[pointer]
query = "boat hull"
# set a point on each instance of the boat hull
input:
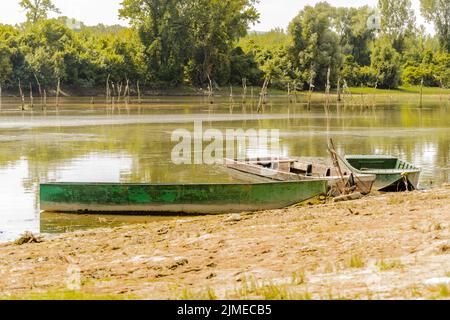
(392, 174)
(175, 199)
(399, 181)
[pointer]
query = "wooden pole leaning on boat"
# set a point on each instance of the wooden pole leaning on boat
(334, 157)
(338, 157)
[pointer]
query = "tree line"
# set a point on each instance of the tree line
(206, 42)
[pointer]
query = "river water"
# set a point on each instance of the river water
(84, 142)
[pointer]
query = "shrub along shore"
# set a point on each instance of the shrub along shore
(205, 43)
(236, 91)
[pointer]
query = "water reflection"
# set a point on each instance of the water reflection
(53, 223)
(80, 142)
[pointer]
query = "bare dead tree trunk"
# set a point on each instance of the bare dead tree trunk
(126, 93)
(346, 91)
(244, 90)
(22, 96)
(58, 88)
(289, 91)
(108, 93)
(295, 91)
(210, 91)
(113, 92)
(45, 99)
(328, 88)
(138, 92)
(339, 89)
(374, 99)
(311, 89)
(119, 91)
(263, 94)
(363, 101)
(421, 93)
(31, 96)
(39, 88)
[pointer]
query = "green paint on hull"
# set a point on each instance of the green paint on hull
(392, 173)
(175, 198)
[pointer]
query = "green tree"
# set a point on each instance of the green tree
(244, 66)
(386, 64)
(6, 67)
(355, 35)
(442, 73)
(216, 25)
(189, 36)
(397, 20)
(8, 48)
(356, 75)
(438, 13)
(51, 51)
(38, 9)
(315, 45)
(163, 29)
(270, 51)
(273, 39)
(118, 54)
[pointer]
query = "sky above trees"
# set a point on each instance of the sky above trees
(274, 13)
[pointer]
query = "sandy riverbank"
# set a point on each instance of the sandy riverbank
(380, 247)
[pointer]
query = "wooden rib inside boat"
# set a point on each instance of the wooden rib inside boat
(293, 169)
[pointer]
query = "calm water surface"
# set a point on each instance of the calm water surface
(81, 142)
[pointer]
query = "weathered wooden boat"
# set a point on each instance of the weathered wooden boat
(175, 198)
(290, 169)
(392, 174)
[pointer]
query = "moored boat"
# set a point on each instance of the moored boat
(290, 169)
(175, 198)
(392, 173)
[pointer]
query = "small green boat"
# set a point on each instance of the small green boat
(175, 198)
(392, 174)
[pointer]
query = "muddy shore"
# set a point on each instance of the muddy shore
(387, 246)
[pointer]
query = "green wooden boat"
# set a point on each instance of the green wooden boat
(392, 174)
(175, 198)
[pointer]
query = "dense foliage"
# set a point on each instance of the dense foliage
(198, 42)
